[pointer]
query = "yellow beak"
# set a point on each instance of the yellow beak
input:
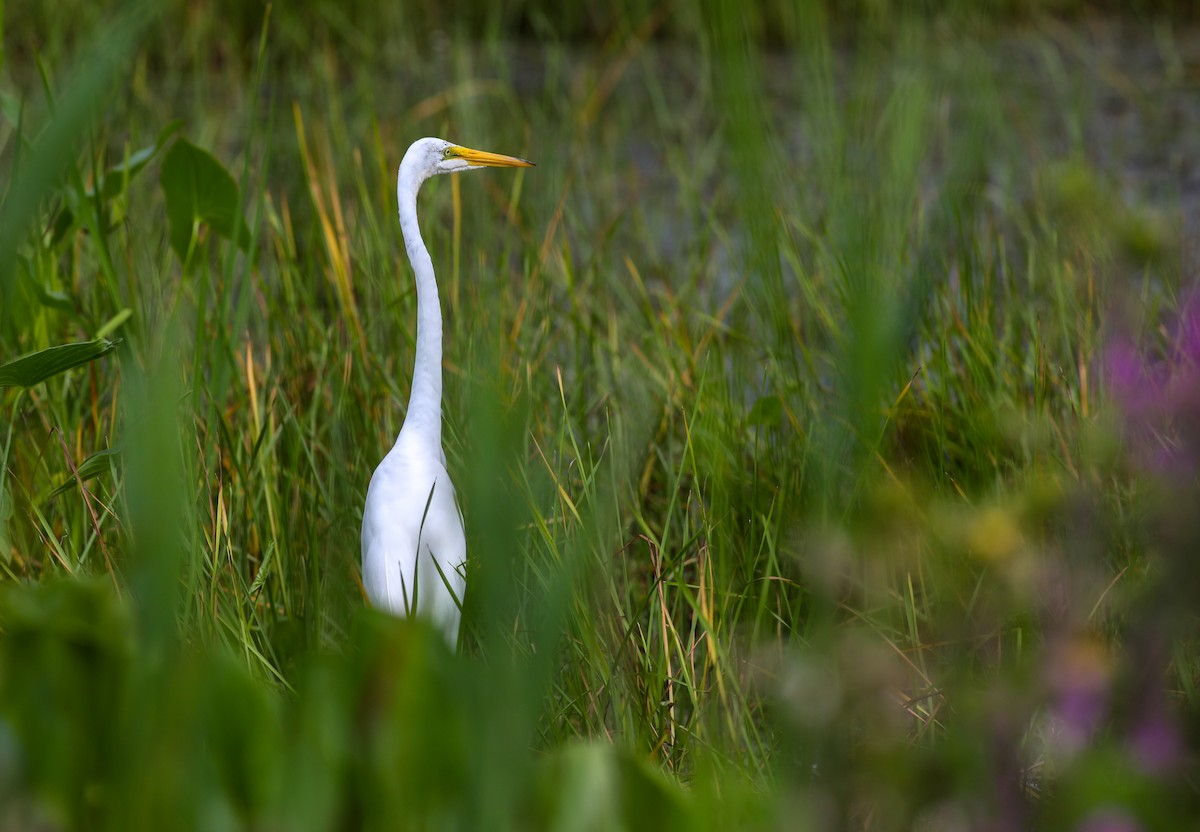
(482, 158)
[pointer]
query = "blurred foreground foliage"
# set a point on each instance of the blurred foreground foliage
(388, 735)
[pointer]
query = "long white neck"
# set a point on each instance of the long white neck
(424, 416)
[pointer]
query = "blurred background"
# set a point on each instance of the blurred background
(823, 406)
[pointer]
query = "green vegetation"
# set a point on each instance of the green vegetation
(823, 412)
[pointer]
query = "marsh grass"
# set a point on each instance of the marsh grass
(773, 397)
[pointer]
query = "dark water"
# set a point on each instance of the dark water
(1120, 97)
(1140, 125)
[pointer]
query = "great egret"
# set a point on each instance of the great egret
(413, 547)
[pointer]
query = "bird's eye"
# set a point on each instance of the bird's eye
(446, 154)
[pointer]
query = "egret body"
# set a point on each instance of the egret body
(413, 546)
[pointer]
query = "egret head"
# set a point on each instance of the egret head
(429, 157)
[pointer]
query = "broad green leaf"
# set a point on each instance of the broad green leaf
(95, 465)
(198, 188)
(34, 368)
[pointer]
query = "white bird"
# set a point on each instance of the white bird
(413, 546)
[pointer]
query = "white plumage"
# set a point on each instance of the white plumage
(413, 558)
(413, 546)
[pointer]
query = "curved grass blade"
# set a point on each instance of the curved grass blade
(114, 179)
(95, 465)
(35, 368)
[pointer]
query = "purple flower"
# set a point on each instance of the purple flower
(1078, 713)
(1077, 674)
(1155, 742)
(1160, 398)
